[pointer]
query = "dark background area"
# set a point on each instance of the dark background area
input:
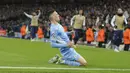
(44, 1)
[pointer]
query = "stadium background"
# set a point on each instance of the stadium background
(23, 53)
(12, 16)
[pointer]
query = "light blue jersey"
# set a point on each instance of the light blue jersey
(59, 39)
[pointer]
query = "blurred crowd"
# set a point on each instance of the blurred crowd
(91, 11)
(96, 13)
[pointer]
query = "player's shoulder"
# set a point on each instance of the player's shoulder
(54, 27)
(75, 15)
(114, 16)
(59, 25)
(60, 28)
(124, 16)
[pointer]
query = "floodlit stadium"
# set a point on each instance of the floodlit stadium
(70, 36)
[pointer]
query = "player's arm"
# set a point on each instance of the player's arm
(30, 16)
(39, 13)
(97, 20)
(84, 22)
(69, 33)
(107, 19)
(112, 21)
(125, 20)
(54, 44)
(72, 20)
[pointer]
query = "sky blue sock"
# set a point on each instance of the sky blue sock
(72, 63)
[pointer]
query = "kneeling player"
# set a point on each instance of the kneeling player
(59, 39)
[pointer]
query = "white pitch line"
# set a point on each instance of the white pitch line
(52, 68)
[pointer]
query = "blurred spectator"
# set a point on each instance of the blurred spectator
(97, 13)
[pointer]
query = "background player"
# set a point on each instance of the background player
(117, 22)
(34, 23)
(78, 21)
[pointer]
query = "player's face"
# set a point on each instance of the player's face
(80, 12)
(56, 16)
(34, 14)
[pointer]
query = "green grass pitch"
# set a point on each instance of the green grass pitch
(24, 53)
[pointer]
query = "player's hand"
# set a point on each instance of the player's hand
(70, 44)
(38, 10)
(74, 46)
(84, 28)
(115, 27)
(72, 32)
